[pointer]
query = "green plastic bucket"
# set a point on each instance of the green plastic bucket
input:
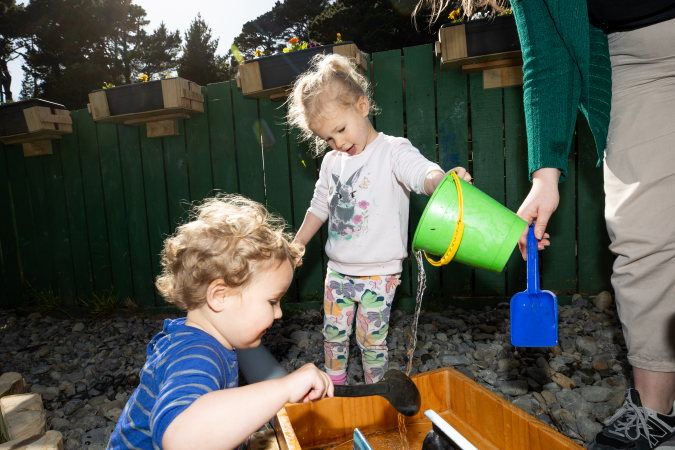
(491, 231)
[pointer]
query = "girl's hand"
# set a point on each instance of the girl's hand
(539, 205)
(308, 384)
(462, 173)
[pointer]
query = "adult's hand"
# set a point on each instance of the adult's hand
(539, 205)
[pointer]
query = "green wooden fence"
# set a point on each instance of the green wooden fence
(95, 213)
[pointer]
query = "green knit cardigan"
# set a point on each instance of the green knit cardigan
(566, 66)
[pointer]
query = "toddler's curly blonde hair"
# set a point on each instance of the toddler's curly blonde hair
(331, 80)
(229, 237)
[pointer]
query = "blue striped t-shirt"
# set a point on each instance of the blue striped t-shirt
(183, 364)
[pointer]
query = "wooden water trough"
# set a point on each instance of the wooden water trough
(489, 45)
(486, 420)
(34, 124)
(160, 104)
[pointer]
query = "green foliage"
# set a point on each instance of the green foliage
(199, 62)
(13, 34)
(160, 51)
(46, 300)
(28, 86)
(101, 304)
(381, 24)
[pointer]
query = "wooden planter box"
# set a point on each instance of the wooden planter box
(488, 45)
(34, 123)
(272, 76)
(482, 417)
(159, 104)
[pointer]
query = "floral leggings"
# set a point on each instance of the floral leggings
(374, 295)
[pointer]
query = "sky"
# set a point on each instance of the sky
(225, 17)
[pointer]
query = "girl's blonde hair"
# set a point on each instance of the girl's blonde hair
(229, 237)
(468, 6)
(331, 79)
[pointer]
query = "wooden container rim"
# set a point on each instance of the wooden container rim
(297, 51)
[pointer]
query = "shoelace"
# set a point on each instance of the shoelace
(635, 415)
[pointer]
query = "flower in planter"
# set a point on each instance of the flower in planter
(455, 16)
(108, 85)
(258, 53)
(143, 78)
(339, 38)
(293, 40)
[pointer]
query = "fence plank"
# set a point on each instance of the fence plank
(22, 212)
(137, 221)
(35, 177)
(595, 259)
(199, 153)
(249, 151)
(488, 163)
(155, 201)
(113, 196)
(57, 214)
(93, 201)
(11, 270)
(177, 182)
(276, 155)
(221, 127)
(559, 260)
(388, 93)
(304, 176)
(453, 151)
(421, 126)
(517, 179)
(77, 218)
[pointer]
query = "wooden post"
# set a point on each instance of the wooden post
(24, 415)
(163, 128)
(453, 43)
(11, 383)
(504, 77)
(99, 105)
(51, 440)
(37, 148)
(251, 81)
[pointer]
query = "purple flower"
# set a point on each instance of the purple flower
(363, 205)
(347, 231)
(357, 218)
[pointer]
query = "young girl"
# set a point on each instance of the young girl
(229, 268)
(364, 192)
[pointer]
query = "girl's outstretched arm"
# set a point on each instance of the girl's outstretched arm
(308, 229)
(434, 178)
(226, 418)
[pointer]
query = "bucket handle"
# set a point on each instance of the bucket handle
(459, 229)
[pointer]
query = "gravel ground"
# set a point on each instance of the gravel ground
(86, 370)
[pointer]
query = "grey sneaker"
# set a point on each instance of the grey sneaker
(634, 427)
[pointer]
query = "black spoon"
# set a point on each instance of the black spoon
(395, 386)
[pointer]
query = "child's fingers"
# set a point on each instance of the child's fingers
(463, 174)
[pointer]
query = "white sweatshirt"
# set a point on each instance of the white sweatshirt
(366, 199)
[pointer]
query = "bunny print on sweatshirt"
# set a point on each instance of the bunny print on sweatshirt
(348, 216)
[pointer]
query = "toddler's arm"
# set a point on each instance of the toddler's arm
(434, 178)
(308, 229)
(224, 419)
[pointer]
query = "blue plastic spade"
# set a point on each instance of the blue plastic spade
(534, 313)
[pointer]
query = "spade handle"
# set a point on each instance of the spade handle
(532, 262)
(362, 390)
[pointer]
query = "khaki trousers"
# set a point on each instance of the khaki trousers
(639, 170)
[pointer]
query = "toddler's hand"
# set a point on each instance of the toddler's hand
(308, 384)
(462, 173)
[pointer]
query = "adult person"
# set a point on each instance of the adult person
(615, 61)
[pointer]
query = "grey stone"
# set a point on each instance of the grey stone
(507, 364)
(113, 414)
(75, 376)
(571, 400)
(569, 419)
(488, 376)
(551, 387)
(78, 327)
(72, 406)
(603, 300)
(38, 389)
(83, 412)
(455, 360)
(586, 347)
(95, 439)
(89, 423)
(524, 403)
(587, 428)
(104, 408)
(39, 370)
(298, 336)
(58, 424)
(597, 394)
(568, 346)
(604, 410)
(51, 393)
(514, 388)
(56, 376)
(539, 375)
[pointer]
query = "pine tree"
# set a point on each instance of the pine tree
(14, 27)
(160, 52)
(199, 62)
(28, 86)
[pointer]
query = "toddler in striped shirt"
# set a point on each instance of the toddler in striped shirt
(229, 268)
